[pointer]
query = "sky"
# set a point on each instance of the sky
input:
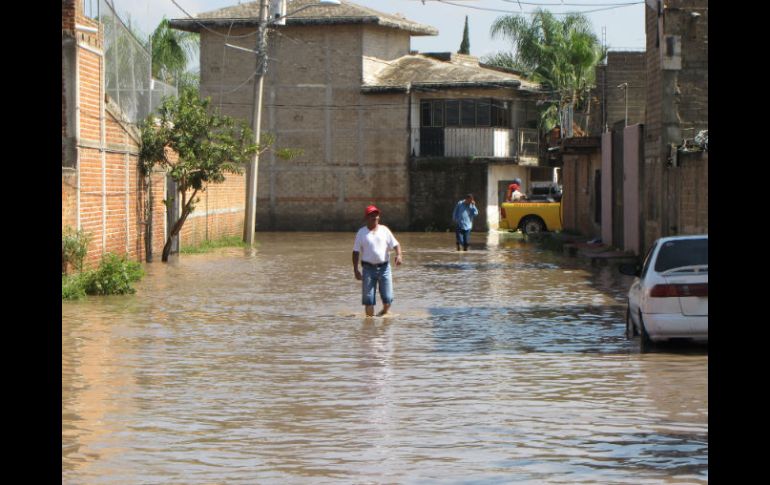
(624, 26)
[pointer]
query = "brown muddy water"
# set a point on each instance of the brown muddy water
(505, 364)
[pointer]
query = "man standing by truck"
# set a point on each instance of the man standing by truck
(514, 193)
(463, 215)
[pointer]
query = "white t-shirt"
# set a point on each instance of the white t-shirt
(373, 246)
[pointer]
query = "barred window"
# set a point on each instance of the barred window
(467, 113)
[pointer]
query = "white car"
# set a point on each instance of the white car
(669, 298)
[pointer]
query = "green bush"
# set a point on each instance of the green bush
(113, 276)
(73, 286)
(74, 247)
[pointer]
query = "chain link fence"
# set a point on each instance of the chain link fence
(127, 65)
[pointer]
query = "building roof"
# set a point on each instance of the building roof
(247, 14)
(442, 70)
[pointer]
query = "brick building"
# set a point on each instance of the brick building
(103, 192)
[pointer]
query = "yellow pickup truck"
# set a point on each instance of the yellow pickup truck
(531, 216)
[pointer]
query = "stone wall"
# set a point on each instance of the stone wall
(437, 184)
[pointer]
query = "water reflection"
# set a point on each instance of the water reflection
(503, 364)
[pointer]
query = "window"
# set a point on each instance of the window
(467, 113)
(686, 252)
(425, 114)
(438, 113)
(483, 112)
(500, 113)
(452, 112)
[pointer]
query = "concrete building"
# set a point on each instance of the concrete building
(674, 176)
(376, 123)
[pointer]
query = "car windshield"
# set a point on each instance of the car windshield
(683, 252)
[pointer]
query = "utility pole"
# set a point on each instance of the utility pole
(624, 87)
(252, 171)
(249, 225)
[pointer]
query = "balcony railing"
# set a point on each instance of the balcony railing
(462, 142)
(477, 142)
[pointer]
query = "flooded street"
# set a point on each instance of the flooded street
(505, 364)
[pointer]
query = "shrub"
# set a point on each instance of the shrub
(113, 276)
(74, 247)
(73, 286)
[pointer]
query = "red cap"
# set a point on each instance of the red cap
(370, 209)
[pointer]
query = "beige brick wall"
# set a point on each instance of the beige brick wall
(354, 145)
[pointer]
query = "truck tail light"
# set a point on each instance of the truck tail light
(680, 290)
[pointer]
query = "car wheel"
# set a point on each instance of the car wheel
(630, 329)
(645, 343)
(531, 225)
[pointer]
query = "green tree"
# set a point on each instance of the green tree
(465, 45)
(208, 146)
(560, 54)
(171, 50)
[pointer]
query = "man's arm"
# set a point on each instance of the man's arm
(399, 257)
(356, 271)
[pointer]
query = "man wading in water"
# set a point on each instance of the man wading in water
(371, 247)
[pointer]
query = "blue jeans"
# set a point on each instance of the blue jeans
(463, 237)
(372, 277)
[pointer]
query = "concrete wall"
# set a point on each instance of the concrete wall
(354, 145)
(385, 44)
(437, 184)
(495, 174)
(622, 67)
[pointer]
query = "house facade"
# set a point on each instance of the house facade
(375, 122)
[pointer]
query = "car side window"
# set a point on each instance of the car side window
(648, 259)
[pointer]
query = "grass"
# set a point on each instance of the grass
(206, 246)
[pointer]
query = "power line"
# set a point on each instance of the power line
(488, 9)
(210, 30)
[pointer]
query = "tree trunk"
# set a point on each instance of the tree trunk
(588, 113)
(186, 210)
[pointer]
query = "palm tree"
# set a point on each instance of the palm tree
(560, 54)
(171, 49)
